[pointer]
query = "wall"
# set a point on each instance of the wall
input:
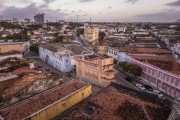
(57, 60)
(62, 105)
(4, 48)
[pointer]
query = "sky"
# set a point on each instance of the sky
(97, 10)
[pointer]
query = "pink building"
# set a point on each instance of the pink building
(165, 81)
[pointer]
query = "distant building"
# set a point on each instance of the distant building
(91, 34)
(27, 20)
(39, 18)
(61, 21)
(95, 69)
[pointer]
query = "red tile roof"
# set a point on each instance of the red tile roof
(29, 106)
(24, 70)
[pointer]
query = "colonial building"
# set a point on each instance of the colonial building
(61, 56)
(91, 34)
(95, 69)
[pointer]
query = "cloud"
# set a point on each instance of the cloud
(49, 1)
(86, 1)
(163, 16)
(28, 12)
(132, 1)
(176, 3)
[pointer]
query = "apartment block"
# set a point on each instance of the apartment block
(95, 69)
(91, 34)
(39, 18)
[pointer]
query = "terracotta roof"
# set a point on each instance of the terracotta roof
(115, 104)
(143, 50)
(163, 62)
(24, 70)
(29, 106)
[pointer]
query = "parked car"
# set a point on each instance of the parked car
(128, 79)
(141, 87)
(148, 87)
(158, 93)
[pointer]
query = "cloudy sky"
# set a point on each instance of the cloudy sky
(97, 10)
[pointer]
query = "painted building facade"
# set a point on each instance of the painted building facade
(163, 80)
(60, 60)
(95, 69)
(91, 34)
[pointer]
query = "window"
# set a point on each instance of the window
(66, 61)
(82, 95)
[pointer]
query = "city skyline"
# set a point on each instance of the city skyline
(98, 10)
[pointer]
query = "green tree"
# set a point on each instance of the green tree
(80, 31)
(133, 69)
(34, 48)
(101, 36)
(58, 39)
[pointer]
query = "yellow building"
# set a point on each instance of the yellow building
(13, 46)
(48, 104)
(95, 69)
(91, 34)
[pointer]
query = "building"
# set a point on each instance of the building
(61, 56)
(27, 20)
(39, 18)
(91, 34)
(4, 56)
(95, 69)
(48, 104)
(161, 79)
(117, 102)
(9, 46)
(7, 79)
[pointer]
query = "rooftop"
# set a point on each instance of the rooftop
(71, 48)
(163, 62)
(114, 103)
(21, 84)
(24, 70)
(143, 50)
(34, 104)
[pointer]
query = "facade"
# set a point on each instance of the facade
(176, 48)
(10, 55)
(39, 18)
(163, 80)
(91, 34)
(61, 56)
(95, 69)
(6, 47)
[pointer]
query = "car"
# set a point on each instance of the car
(141, 87)
(158, 93)
(128, 79)
(148, 87)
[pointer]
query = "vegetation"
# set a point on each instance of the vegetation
(20, 36)
(75, 24)
(34, 48)
(58, 39)
(131, 68)
(8, 25)
(1, 99)
(80, 31)
(33, 27)
(101, 36)
(54, 24)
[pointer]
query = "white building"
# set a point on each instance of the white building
(61, 57)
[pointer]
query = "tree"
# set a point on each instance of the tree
(58, 39)
(34, 48)
(133, 69)
(80, 31)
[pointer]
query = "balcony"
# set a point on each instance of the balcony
(109, 75)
